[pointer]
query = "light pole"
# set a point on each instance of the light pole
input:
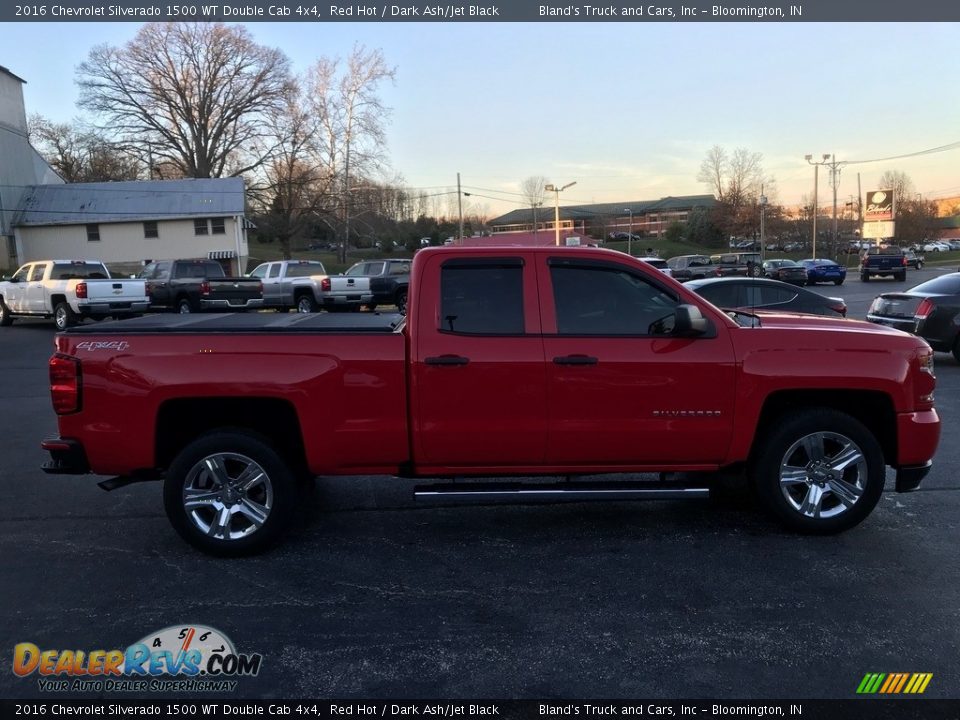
(556, 207)
(630, 232)
(816, 168)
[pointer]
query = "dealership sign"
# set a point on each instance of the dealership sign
(879, 205)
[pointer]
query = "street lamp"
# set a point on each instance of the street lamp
(630, 232)
(556, 207)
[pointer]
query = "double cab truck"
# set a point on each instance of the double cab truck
(305, 286)
(389, 281)
(188, 286)
(68, 291)
(884, 261)
(510, 363)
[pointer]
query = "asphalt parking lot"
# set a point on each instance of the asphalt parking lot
(372, 597)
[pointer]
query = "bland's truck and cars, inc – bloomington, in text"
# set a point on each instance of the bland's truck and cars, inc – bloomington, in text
(510, 363)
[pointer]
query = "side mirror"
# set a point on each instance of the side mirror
(14, 279)
(688, 320)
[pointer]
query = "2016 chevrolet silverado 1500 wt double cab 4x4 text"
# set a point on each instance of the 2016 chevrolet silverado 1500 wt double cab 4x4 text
(510, 362)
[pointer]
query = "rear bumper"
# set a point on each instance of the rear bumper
(67, 457)
(127, 307)
(231, 304)
(344, 300)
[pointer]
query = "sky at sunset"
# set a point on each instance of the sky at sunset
(626, 110)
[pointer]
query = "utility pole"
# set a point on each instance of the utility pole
(816, 211)
(460, 207)
(763, 239)
(834, 181)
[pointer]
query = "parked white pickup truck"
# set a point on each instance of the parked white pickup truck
(305, 285)
(68, 290)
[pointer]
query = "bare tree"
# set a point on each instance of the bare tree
(713, 170)
(189, 94)
(352, 118)
(79, 154)
(900, 183)
(533, 191)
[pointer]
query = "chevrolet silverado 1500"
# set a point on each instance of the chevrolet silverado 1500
(510, 362)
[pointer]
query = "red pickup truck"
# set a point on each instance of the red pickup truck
(511, 362)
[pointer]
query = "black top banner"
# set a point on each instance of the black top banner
(489, 709)
(481, 11)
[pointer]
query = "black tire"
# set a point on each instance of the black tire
(901, 276)
(184, 306)
(271, 496)
(6, 319)
(306, 303)
(838, 282)
(63, 316)
(865, 277)
(956, 349)
(817, 481)
(371, 307)
(919, 266)
(402, 302)
(757, 272)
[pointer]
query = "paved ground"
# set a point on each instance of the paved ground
(371, 597)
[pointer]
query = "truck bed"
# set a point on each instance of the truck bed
(234, 323)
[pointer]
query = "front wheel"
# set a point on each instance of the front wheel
(820, 472)
(919, 266)
(63, 316)
(229, 493)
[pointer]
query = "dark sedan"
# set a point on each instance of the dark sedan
(824, 271)
(930, 310)
(786, 271)
(740, 293)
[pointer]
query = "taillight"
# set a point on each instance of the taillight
(904, 261)
(65, 384)
(204, 288)
(81, 289)
(924, 309)
(325, 285)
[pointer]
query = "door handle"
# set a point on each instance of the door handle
(447, 360)
(575, 360)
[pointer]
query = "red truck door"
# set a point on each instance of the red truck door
(478, 390)
(622, 391)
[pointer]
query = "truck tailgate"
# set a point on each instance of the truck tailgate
(235, 291)
(116, 290)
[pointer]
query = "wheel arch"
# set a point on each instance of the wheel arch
(875, 410)
(181, 421)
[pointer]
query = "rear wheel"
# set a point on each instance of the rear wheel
(6, 318)
(184, 307)
(865, 277)
(402, 302)
(838, 281)
(63, 316)
(901, 276)
(229, 493)
(919, 265)
(306, 304)
(820, 472)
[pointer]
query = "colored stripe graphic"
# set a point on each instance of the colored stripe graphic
(894, 683)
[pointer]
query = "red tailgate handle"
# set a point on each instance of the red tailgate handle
(447, 360)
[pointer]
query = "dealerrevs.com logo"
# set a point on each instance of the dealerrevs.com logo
(179, 658)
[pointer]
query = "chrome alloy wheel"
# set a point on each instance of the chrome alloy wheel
(823, 474)
(227, 496)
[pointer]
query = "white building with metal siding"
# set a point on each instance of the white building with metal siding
(126, 223)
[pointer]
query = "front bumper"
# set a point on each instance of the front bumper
(67, 457)
(918, 434)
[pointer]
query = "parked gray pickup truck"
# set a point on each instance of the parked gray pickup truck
(305, 285)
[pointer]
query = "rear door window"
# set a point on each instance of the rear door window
(482, 297)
